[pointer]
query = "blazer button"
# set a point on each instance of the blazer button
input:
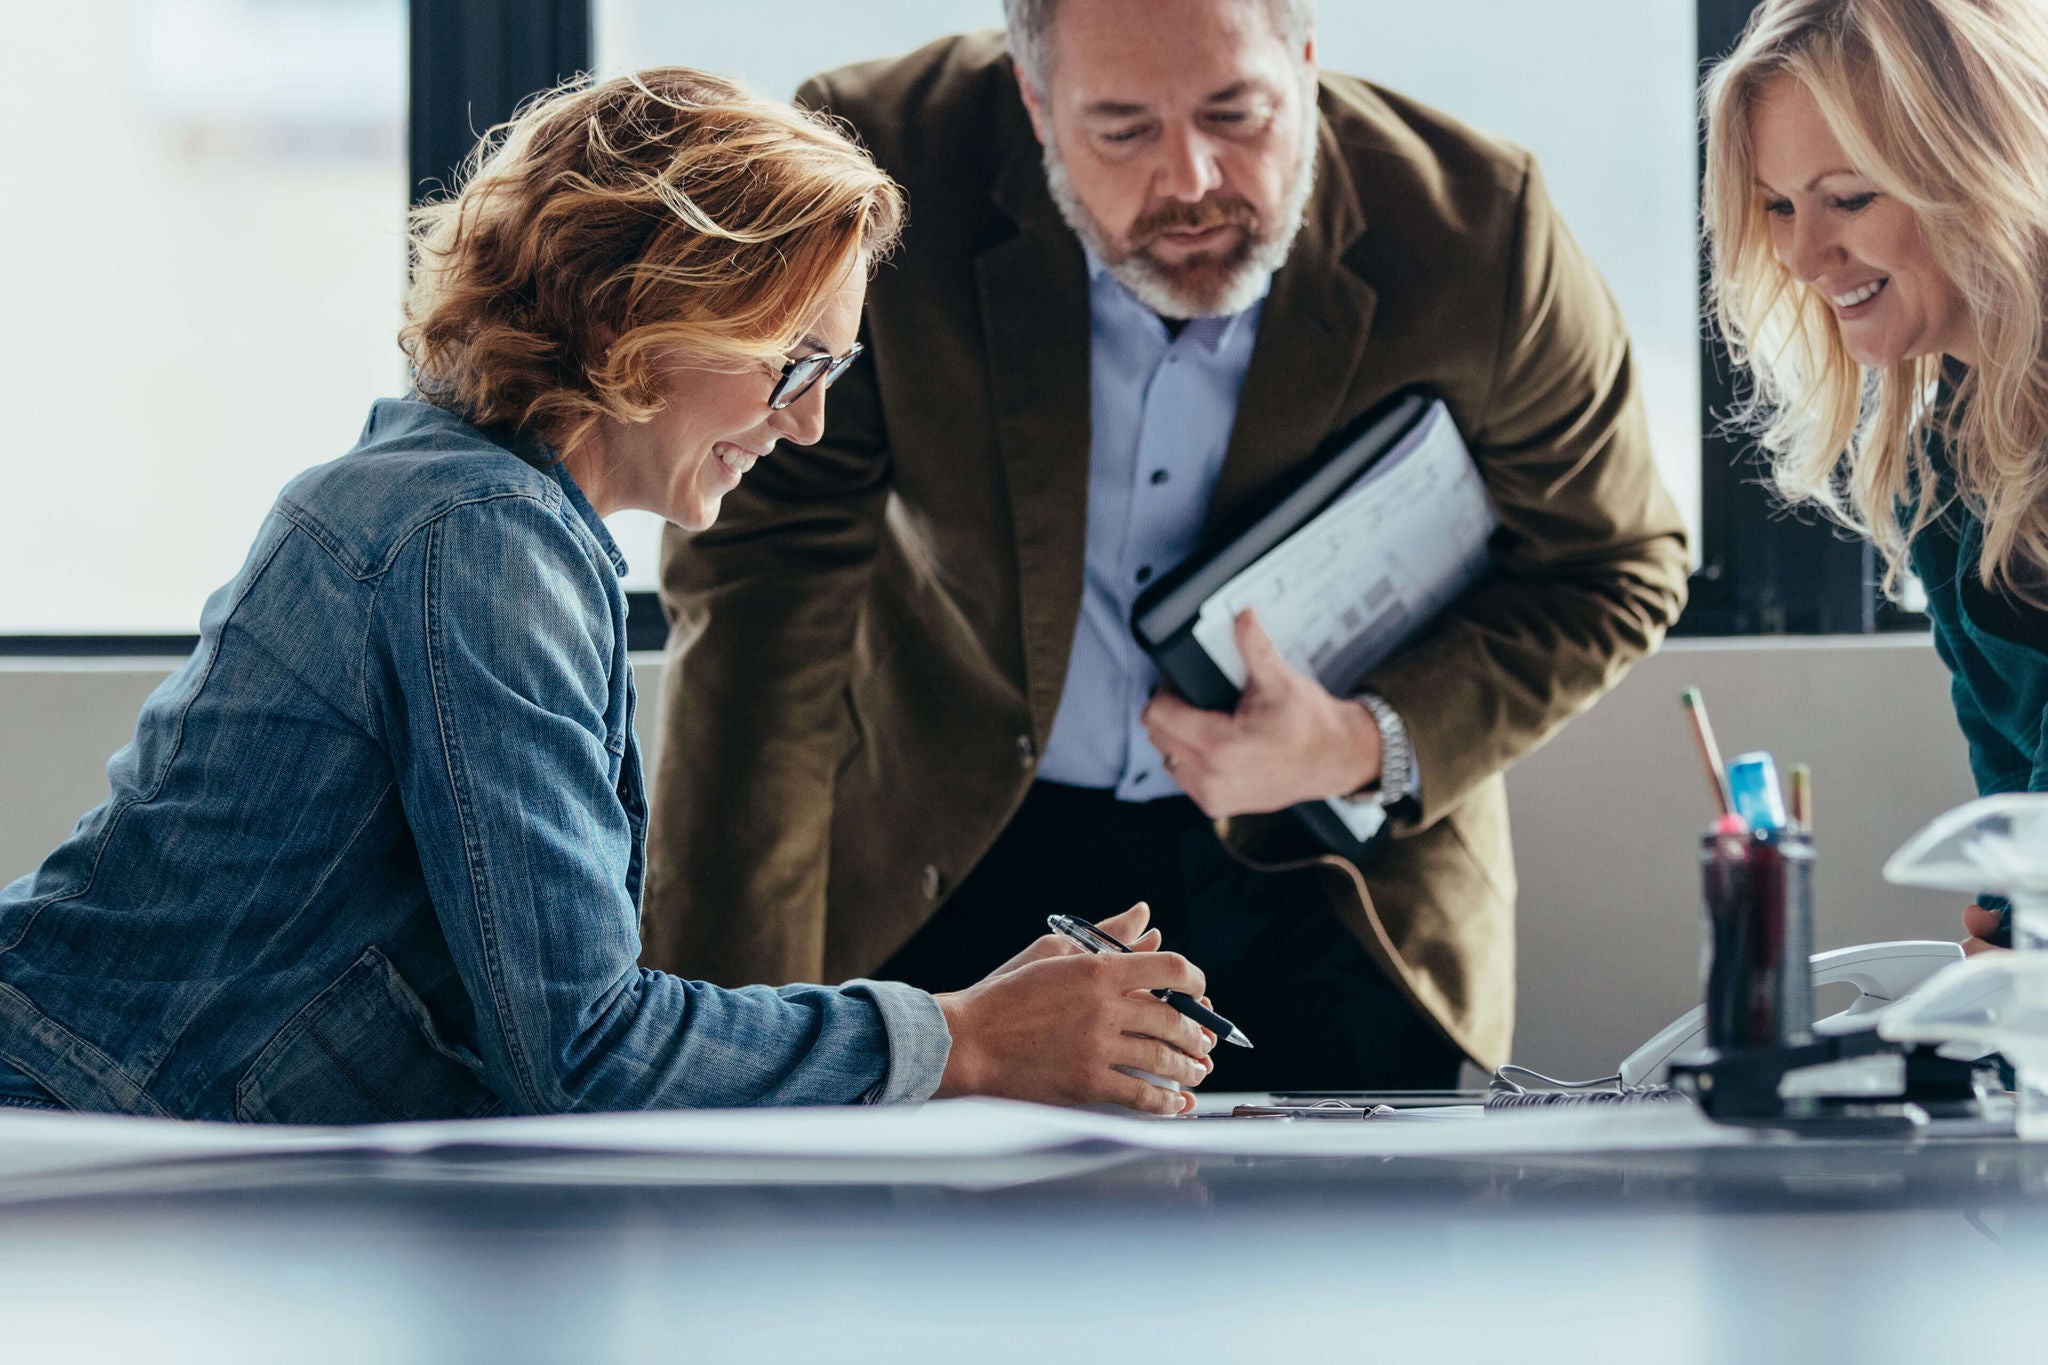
(933, 882)
(1027, 751)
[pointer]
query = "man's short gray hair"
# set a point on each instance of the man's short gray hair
(1030, 26)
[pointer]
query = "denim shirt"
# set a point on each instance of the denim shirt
(375, 851)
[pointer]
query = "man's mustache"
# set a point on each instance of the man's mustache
(1196, 217)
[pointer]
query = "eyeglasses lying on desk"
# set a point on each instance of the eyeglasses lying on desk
(1324, 1109)
(1352, 1104)
(1512, 1087)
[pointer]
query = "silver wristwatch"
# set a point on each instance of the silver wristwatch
(1397, 758)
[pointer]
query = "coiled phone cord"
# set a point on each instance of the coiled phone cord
(1517, 1087)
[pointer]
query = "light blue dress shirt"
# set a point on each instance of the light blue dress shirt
(1160, 410)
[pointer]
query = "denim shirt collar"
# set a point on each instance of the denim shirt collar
(560, 469)
(545, 457)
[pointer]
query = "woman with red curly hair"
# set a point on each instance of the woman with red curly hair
(375, 851)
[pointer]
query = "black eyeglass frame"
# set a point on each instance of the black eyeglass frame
(800, 374)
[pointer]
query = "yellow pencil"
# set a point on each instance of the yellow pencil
(1710, 755)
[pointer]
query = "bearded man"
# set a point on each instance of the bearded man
(1154, 260)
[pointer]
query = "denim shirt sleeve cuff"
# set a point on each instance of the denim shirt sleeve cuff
(919, 1041)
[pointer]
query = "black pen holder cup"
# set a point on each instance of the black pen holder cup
(1757, 939)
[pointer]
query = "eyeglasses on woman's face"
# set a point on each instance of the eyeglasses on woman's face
(801, 374)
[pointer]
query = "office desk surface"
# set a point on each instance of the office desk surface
(1837, 1251)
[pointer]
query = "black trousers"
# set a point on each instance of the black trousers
(1279, 964)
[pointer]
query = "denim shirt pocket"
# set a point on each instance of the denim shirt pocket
(364, 1050)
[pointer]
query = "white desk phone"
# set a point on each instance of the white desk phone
(1994, 844)
(1881, 973)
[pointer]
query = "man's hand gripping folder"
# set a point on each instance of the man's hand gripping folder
(1344, 570)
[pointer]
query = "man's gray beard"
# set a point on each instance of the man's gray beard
(1155, 287)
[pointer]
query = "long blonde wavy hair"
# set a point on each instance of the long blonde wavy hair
(611, 229)
(1944, 104)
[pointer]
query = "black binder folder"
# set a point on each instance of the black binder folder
(1166, 617)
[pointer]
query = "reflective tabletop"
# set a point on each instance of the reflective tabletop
(1837, 1250)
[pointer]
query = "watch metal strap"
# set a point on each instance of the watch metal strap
(1397, 767)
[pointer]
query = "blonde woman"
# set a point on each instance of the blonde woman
(375, 852)
(1877, 206)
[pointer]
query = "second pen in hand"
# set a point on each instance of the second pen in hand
(1088, 938)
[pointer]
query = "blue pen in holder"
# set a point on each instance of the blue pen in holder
(1758, 938)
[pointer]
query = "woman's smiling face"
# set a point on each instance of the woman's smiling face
(1859, 248)
(714, 426)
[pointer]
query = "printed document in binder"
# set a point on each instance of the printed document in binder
(1384, 536)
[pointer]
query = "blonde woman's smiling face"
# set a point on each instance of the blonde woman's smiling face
(1841, 235)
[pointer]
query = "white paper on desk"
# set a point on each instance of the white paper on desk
(1576, 1129)
(1341, 593)
(957, 1145)
(38, 1147)
(975, 1130)
(37, 1142)
(972, 1129)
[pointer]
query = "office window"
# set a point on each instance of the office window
(205, 256)
(1600, 90)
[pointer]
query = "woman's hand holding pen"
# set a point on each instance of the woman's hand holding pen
(1129, 926)
(1052, 1024)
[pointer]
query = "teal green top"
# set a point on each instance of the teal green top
(1996, 649)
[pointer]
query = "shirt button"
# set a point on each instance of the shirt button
(933, 882)
(1160, 476)
(1145, 574)
(1027, 752)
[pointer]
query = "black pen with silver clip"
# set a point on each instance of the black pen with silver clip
(1091, 939)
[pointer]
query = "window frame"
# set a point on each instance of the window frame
(1763, 571)
(470, 63)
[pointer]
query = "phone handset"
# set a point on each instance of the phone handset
(1881, 973)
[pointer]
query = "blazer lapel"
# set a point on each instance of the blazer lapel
(1034, 309)
(1033, 289)
(1312, 335)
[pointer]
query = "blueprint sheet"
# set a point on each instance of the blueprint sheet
(1344, 591)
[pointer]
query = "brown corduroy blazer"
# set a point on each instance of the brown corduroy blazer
(869, 647)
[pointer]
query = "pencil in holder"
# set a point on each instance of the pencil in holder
(1758, 938)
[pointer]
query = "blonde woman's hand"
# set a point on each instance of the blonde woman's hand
(1980, 924)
